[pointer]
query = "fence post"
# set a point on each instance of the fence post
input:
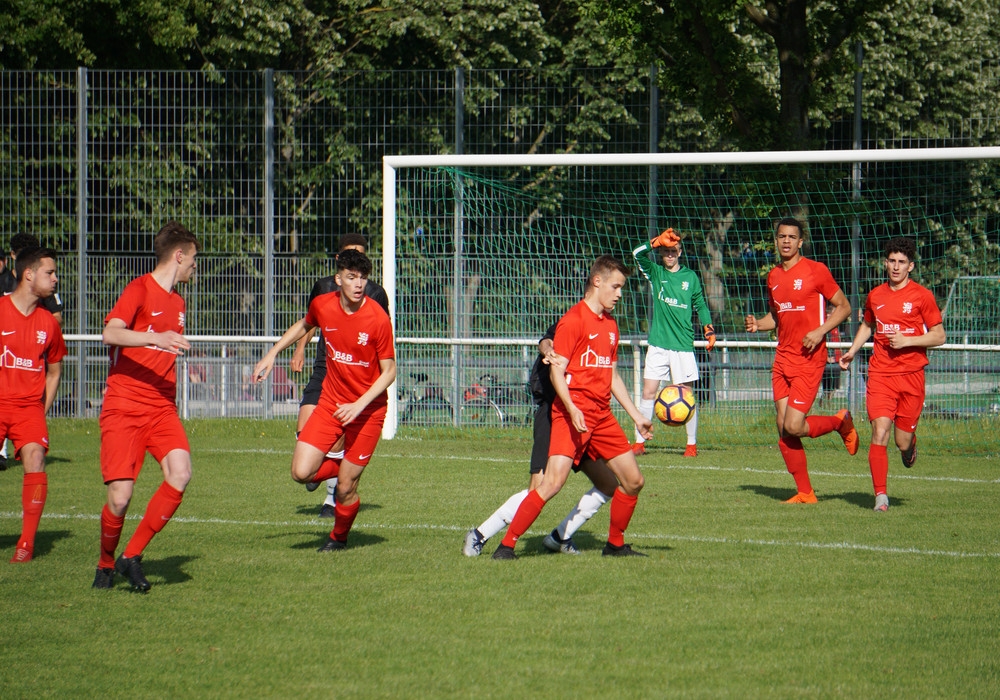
(458, 272)
(855, 298)
(268, 224)
(81, 237)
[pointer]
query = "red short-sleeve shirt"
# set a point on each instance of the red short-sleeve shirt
(29, 342)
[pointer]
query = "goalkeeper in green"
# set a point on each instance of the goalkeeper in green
(670, 356)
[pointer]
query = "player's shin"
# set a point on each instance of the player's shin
(502, 516)
(622, 507)
(161, 508)
(588, 506)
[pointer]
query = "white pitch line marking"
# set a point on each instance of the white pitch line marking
(735, 541)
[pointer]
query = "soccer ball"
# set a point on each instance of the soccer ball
(674, 405)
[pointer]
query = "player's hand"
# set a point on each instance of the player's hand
(710, 336)
(262, 369)
(645, 428)
(576, 417)
(812, 339)
(554, 359)
(897, 341)
(667, 239)
(750, 323)
(845, 359)
(298, 360)
(346, 412)
(171, 341)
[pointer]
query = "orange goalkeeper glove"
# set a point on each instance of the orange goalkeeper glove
(710, 337)
(667, 239)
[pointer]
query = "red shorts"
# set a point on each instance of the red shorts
(24, 425)
(798, 383)
(896, 396)
(605, 438)
(361, 435)
(126, 436)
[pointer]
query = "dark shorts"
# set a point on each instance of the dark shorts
(542, 433)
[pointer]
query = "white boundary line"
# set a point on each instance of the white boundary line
(646, 467)
(735, 541)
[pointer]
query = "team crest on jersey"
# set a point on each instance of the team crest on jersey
(684, 285)
(362, 339)
(590, 358)
(41, 337)
(180, 319)
(797, 284)
(611, 337)
(907, 307)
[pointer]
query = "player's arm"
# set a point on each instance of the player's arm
(860, 338)
(841, 312)
(53, 371)
(299, 353)
(764, 323)
(266, 364)
(934, 336)
(620, 392)
(557, 374)
(704, 315)
(118, 334)
(346, 412)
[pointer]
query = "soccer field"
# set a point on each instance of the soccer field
(741, 596)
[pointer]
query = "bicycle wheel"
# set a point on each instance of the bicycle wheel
(481, 413)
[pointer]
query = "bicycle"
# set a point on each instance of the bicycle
(424, 403)
(487, 403)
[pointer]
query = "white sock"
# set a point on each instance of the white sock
(503, 515)
(3, 450)
(588, 506)
(331, 492)
(692, 427)
(646, 409)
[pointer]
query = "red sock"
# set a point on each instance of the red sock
(821, 425)
(34, 490)
(878, 462)
(622, 507)
(343, 520)
(111, 533)
(158, 513)
(795, 462)
(327, 470)
(526, 514)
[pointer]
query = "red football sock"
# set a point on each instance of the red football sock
(821, 425)
(526, 514)
(622, 507)
(327, 470)
(34, 490)
(158, 513)
(878, 462)
(343, 520)
(795, 462)
(111, 533)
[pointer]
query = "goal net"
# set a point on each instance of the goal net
(481, 255)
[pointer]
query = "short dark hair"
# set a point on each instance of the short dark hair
(20, 241)
(605, 265)
(791, 221)
(30, 258)
(900, 244)
(349, 239)
(354, 261)
(171, 237)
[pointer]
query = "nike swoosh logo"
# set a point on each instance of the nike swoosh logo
(329, 330)
(797, 401)
(775, 287)
(156, 313)
(879, 307)
(594, 335)
(8, 332)
(365, 456)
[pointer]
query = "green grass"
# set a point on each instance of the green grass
(741, 596)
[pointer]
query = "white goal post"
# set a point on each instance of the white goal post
(393, 164)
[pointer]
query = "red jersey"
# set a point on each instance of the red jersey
(590, 342)
(145, 375)
(29, 342)
(911, 310)
(355, 343)
(798, 298)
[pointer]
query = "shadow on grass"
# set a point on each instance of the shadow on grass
(313, 509)
(356, 540)
(45, 541)
(586, 542)
(866, 500)
(170, 569)
(777, 494)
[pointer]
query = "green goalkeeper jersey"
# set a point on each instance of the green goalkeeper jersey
(674, 295)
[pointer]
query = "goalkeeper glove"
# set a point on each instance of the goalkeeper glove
(667, 239)
(710, 336)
